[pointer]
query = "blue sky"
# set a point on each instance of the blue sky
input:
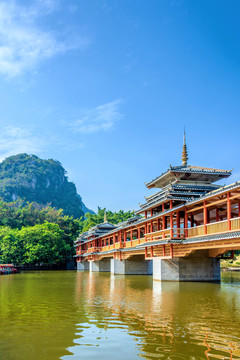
(106, 87)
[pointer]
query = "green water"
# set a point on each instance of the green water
(68, 315)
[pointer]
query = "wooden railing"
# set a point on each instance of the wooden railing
(217, 227)
(117, 245)
(80, 252)
(214, 228)
(195, 231)
(134, 242)
(175, 233)
(157, 235)
(93, 249)
(235, 224)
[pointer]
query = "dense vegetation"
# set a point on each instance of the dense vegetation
(34, 235)
(42, 181)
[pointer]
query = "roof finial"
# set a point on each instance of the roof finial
(105, 217)
(184, 152)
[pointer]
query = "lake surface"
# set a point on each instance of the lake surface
(72, 315)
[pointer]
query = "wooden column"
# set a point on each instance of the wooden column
(186, 223)
(139, 235)
(171, 225)
(205, 217)
(114, 240)
(239, 209)
(164, 250)
(145, 214)
(131, 236)
(163, 220)
(158, 224)
(124, 237)
(151, 229)
(120, 238)
(163, 225)
(228, 211)
(178, 224)
(171, 250)
(146, 252)
(151, 212)
(151, 226)
(217, 215)
(151, 251)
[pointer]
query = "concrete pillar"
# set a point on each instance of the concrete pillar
(191, 268)
(136, 265)
(99, 265)
(82, 265)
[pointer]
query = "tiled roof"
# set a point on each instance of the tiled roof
(189, 170)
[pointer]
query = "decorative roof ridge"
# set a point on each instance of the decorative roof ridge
(200, 168)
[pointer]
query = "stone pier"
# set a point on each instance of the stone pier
(136, 265)
(82, 265)
(192, 268)
(99, 265)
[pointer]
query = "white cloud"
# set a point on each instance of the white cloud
(23, 44)
(101, 118)
(15, 140)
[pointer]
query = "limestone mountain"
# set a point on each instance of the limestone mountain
(43, 181)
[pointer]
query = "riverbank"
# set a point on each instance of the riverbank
(231, 264)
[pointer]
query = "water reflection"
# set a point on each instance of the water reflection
(168, 319)
(69, 315)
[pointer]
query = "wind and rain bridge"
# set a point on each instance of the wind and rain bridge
(180, 233)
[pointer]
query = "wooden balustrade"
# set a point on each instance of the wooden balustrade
(158, 235)
(196, 231)
(80, 252)
(134, 242)
(214, 228)
(93, 249)
(217, 227)
(235, 224)
(117, 245)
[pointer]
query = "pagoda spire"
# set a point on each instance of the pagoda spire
(105, 217)
(184, 151)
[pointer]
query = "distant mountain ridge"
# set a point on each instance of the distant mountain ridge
(43, 181)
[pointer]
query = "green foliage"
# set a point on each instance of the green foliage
(232, 263)
(112, 217)
(36, 180)
(32, 234)
(39, 244)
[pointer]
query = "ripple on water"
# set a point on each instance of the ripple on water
(68, 316)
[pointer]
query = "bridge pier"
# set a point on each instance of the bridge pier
(99, 265)
(82, 265)
(191, 268)
(136, 265)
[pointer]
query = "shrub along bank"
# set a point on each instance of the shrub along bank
(33, 235)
